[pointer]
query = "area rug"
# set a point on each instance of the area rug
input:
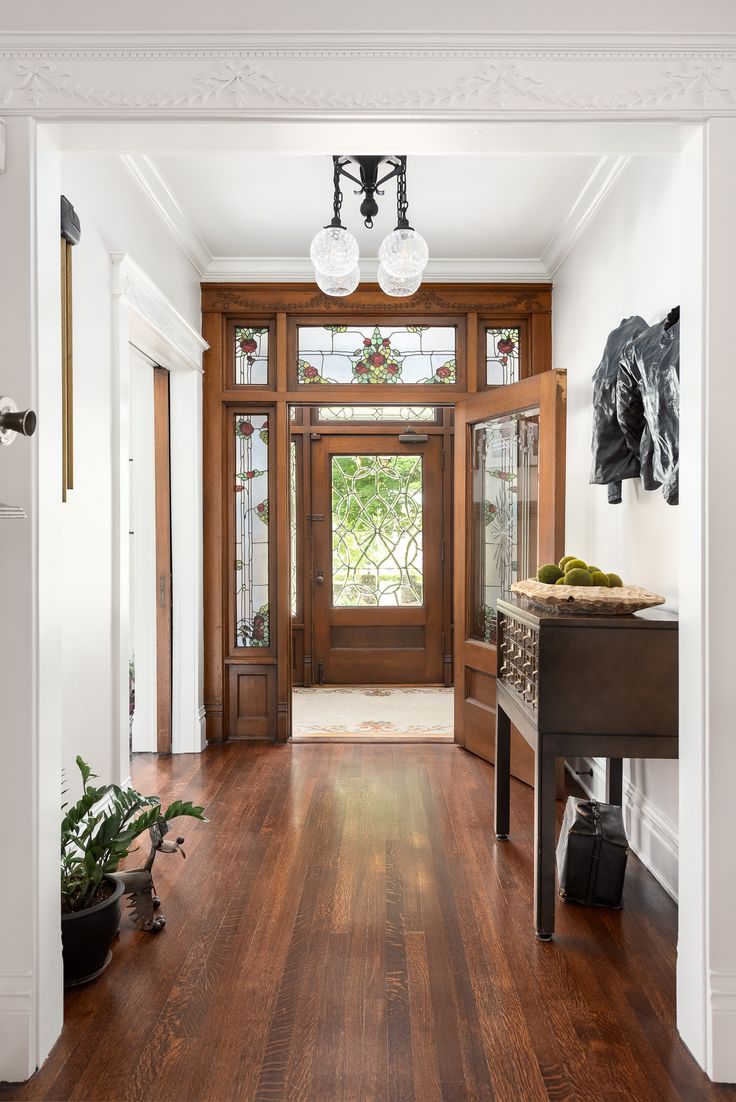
(373, 714)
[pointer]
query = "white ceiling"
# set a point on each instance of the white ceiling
(508, 206)
(243, 205)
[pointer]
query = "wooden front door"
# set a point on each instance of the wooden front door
(376, 571)
(509, 518)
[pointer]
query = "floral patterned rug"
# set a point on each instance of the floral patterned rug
(374, 714)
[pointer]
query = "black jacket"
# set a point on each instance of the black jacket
(613, 458)
(648, 406)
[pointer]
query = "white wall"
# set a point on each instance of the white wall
(115, 218)
(629, 261)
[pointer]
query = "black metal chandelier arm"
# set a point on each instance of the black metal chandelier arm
(402, 203)
(337, 194)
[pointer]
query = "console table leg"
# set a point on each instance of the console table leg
(544, 842)
(615, 781)
(503, 773)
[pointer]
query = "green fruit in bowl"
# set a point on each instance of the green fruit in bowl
(560, 581)
(578, 576)
(599, 578)
(595, 569)
(565, 560)
(575, 564)
(614, 581)
(549, 574)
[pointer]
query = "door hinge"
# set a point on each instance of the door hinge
(442, 551)
(320, 673)
(315, 516)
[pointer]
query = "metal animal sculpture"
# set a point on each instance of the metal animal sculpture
(139, 884)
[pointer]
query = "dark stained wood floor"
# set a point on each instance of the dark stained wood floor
(347, 927)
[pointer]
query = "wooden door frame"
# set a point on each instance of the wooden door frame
(162, 491)
(281, 308)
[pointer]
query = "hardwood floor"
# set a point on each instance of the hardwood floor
(347, 927)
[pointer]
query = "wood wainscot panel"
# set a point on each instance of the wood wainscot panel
(252, 701)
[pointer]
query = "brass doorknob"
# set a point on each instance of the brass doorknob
(319, 578)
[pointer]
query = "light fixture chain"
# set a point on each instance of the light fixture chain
(402, 203)
(337, 199)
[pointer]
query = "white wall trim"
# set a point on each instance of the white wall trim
(163, 329)
(593, 193)
(439, 270)
(652, 835)
(144, 317)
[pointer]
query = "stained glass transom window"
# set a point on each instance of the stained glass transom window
(377, 528)
(373, 355)
(505, 495)
(251, 355)
(251, 530)
(502, 356)
(377, 413)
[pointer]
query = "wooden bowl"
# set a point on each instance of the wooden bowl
(588, 600)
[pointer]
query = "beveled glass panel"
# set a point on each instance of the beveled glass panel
(251, 530)
(502, 356)
(376, 354)
(377, 528)
(251, 356)
(504, 516)
(401, 414)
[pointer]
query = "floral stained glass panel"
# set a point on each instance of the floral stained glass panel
(377, 528)
(251, 356)
(504, 516)
(250, 494)
(502, 356)
(376, 355)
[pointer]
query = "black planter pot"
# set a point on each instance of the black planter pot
(86, 937)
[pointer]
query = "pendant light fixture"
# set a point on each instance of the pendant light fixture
(403, 253)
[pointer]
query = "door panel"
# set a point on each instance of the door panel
(376, 573)
(509, 518)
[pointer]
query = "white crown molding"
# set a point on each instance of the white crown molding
(166, 205)
(442, 76)
(596, 187)
(184, 345)
(277, 269)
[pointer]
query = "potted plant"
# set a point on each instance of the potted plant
(97, 832)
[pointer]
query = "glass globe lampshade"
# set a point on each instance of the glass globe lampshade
(404, 253)
(338, 285)
(397, 286)
(334, 251)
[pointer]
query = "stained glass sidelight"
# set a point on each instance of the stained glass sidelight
(502, 356)
(251, 355)
(404, 414)
(372, 355)
(377, 527)
(504, 515)
(251, 530)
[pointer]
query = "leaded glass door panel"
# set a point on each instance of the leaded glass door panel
(509, 518)
(376, 527)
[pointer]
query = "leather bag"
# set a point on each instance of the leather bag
(592, 853)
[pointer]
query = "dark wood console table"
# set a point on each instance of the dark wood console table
(579, 686)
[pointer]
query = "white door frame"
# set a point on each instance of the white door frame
(144, 318)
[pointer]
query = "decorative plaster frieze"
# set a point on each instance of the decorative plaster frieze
(522, 78)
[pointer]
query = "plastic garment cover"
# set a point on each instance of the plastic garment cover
(613, 458)
(648, 406)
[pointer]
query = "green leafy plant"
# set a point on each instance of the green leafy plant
(94, 842)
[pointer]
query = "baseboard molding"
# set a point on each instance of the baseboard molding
(16, 1044)
(652, 835)
(722, 999)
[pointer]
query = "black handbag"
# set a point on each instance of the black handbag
(591, 854)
